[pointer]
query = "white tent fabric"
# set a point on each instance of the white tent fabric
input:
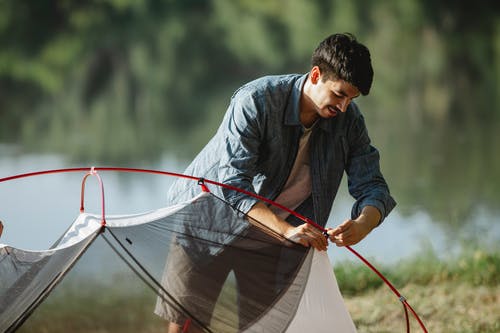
(321, 308)
(322, 302)
(308, 301)
(26, 277)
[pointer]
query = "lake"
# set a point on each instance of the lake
(37, 210)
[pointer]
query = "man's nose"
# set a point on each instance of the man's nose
(343, 104)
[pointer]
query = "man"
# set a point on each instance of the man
(290, 138)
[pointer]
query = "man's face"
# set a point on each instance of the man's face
(332, 96)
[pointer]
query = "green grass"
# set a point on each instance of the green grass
(475, 268)
(443, 307)
(461, 294)
(121, 304)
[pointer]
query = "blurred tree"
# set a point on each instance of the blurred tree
(123, 80)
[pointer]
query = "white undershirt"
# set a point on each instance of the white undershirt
(298, 185)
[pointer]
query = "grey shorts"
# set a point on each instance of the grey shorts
(195, 288)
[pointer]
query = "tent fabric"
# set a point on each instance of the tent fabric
(26, 277)
(266, 283)
(322, 302)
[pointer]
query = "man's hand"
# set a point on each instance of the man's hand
(353, 231)
(304, 234)
(307, 235)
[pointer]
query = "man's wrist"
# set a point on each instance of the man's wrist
(370, 217)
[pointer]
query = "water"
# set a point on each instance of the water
(436, 124)
(37, 210)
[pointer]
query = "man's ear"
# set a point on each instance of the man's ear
(315, 74)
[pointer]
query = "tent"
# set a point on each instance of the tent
(281, 286)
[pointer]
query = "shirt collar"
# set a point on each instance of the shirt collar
(292, 114)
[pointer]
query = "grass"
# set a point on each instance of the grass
(96, 307)
(475, 268)
(458, 295)
(443, 307)
(461, 294)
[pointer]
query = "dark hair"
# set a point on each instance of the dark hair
(341, 56)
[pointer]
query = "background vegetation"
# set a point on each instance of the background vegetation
(121, 81)
(126, 81)
(143, 68)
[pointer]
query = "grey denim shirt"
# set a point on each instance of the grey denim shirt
(256, 144)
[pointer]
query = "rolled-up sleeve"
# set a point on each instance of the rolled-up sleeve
(365, 180)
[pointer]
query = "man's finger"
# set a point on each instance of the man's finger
(319, 246)
(338, 242)
(316, 240)
(334, 232)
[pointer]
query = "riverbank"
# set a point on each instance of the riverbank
(443, 307)
(458, 295)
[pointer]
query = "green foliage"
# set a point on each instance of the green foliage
(173, 58)
(477, 268)
(355, 278)
(472, 267)
(121, 81)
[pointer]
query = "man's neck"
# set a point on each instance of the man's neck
(307, 113)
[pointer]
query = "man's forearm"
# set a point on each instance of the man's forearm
(370, 217)
(264, 216)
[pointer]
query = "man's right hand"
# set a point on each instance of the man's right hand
(307, 235)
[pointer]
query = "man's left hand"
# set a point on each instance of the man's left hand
(353, 231)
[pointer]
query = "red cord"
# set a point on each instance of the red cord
(187, 323)
(202, 182)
